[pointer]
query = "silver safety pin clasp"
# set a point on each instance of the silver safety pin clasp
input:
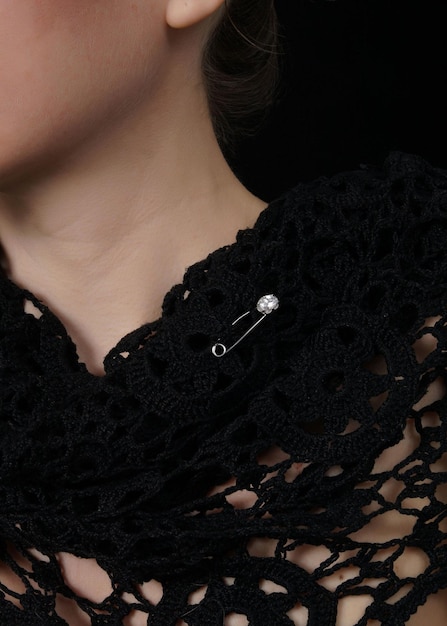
(265, 305)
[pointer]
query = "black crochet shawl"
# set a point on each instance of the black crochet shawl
(312, 457)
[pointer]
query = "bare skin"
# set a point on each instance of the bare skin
(104, 273)
(111, 184)
(125, 199)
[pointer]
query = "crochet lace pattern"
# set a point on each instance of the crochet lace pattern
(303, 470)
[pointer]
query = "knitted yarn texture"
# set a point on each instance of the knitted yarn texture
(303, 469)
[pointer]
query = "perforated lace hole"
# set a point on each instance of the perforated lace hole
(411, 563)
(269, 586)
(12, 582)
(157, 366)
(242, 266)
(401, 593)
(376, 402)
(272, 456)
(36, 554)
(351, 609)
(347, 335)
(262, 546)
(424, 346)
(136, 618)
(430, 419)
(374, 296)
(23, 561)
(85, 577)
(299, 614)
(317, 427)
(30, 308)
(434, 606)
(351, 427)
(215, 297)
(236, 619)
(295, 470)
(338, 576)
(198, 342)
(405, 317)
(386, 527)
(334, 470)
(440, 465)
(151, 591)
(242, 499)
(334, 382)
(371, 507)
(415, 503)
(376, 365)
(308, 557)
(71, 612)
(196, 596)
(436, 390)
(129, 598)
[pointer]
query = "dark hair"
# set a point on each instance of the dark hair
(240, 67)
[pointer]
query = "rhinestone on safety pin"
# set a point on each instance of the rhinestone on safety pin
(265, 305)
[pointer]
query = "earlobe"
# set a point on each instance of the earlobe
(184, 13)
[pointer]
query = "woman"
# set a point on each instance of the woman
(271, 448)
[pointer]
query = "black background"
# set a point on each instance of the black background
(362, 78)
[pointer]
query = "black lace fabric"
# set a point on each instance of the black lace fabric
(299, 479)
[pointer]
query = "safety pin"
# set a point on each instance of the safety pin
(265, 305)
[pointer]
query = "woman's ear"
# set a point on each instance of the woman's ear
(184, 13)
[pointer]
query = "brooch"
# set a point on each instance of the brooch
(265, 305)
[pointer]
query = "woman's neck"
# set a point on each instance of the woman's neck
(101, 239)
